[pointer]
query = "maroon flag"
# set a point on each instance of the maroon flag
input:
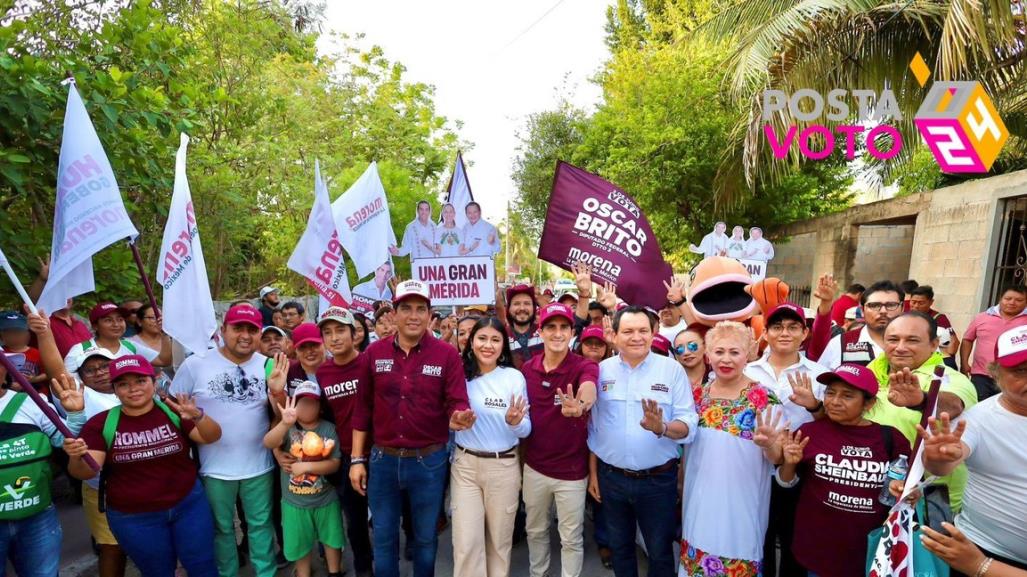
(594, 221)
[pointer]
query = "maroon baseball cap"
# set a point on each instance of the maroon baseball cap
(592, 332)
(554, 310)
(103, 309)
(306, 333)
(786, 309)
(130, 365)
(856, 375)
(244, 314)
(1011, 347)
(661, 344)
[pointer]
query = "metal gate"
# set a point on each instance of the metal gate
(1011, 256)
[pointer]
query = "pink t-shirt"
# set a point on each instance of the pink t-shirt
(984, 330)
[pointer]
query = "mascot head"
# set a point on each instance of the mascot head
(722, 290)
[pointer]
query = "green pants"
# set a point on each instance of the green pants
(256, 495)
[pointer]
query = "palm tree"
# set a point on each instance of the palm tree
(866, 44)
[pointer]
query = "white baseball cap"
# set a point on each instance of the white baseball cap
(1011, 347)
(410, 289)
(307, 389)
(337, 314)
(267, 290)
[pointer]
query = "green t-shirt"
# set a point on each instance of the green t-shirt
(906, 420)
(309, 491)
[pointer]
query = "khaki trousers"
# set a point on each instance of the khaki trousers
(483, 494)
(540, 492)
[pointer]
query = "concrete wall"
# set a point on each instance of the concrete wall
(952, 246)
(882, 252)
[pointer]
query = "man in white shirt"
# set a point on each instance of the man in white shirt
(644, 410)
(785, 371)
(377, 287)
(229, 384)
(757, 247)
(714, 243)
(480, 238)
(880, 304)
(419, 235)
(671, 321)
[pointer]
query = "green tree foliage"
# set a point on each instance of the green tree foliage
(245, 81)
(659, 133)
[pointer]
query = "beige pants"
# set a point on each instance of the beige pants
(540, 492)
(483, 495)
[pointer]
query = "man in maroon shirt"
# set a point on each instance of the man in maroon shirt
(340, 378)
(67, 330)
(520, 319)
(416, 388)
(561, 390)
(845, 302)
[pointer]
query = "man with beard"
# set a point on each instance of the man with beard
(525, 341)
(880, 303)
(269, 302)
(229, 385)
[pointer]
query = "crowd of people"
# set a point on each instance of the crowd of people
(715, 450)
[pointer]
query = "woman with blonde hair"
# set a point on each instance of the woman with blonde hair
(728, 466)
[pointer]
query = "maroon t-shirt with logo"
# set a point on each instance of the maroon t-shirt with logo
(557, 446)
(148, 467)
(340, 384)
(841, 475)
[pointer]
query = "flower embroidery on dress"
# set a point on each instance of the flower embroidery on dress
(733, 416)
(697, 563)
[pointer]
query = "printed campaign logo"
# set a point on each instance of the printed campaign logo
(957, 120)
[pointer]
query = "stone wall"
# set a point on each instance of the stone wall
(943, 238)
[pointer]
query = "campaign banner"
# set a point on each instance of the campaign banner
(188, 315)
(457, 280)
(757, 268)
(365, 228)
(318, 255)
(362, 304)
(88, 213)
(595, 222)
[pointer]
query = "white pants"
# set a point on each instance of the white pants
(483, 494)
(540, 492)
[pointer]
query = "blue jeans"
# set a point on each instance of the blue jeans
(421, 480)
(649, 502)
(156, 541)
(33, 544)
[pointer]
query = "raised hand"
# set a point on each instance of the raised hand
(675, 290)
(904, 389)
(66, 390)
(942, 443)
(518, 408)
(276, 380)
(582, 278)
(395, 280)
(44, 267)
(393, 250)
(607, 296)
(608, 332)
(288, 411)
(462, 420)
(652, 417)
(570, 406)
(768, 428)
(826, 289)
(184, 405)
(802, 391)
(793, 445)
(39, 323)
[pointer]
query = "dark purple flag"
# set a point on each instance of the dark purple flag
(596, 222)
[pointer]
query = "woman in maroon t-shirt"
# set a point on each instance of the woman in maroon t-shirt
(840, 463)
(155, 503)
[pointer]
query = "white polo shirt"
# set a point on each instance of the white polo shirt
(832, 355)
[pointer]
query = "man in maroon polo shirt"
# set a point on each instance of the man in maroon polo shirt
(67, 330)
(416, 394)
(561, 390)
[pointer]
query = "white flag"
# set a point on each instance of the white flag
(459, 194)
(318, 255)
(88, 213)
(365, 228)
(188, 309)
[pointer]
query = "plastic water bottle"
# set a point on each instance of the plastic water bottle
(897, 471)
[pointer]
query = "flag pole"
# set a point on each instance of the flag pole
(146, 279)
(44, 406)
(17, 283)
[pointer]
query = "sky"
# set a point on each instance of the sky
(491, 63)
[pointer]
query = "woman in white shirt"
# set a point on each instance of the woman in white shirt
(485, 477)
(448, 236)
